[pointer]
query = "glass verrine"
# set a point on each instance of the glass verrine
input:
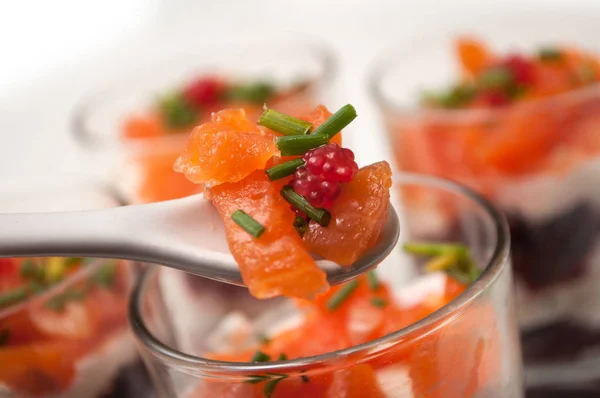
(63, 321)
(537, 161)
(298, 72)
(468, 348)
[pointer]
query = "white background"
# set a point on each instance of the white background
(54, 52)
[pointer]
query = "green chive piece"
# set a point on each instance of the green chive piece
(260, 356)
(341, 295)
(320, 216)
(442, 262)
(305, 378)
(549, 54)
(282, 357)
(59, 302)
(248, 223)
(255, 379)
(292, 145)
(31, 270)
(4, 336)
(301, 225)
(454, 97)
(255, 92)
(496, 78)
(454, 259)
(72, 261)
(373, 281)
(106, 275)
(270, 386)
(284, 169)
(177, 112)
(283, 124)
(336, 122)
(378, 302)
(14, 296)
(432, 249)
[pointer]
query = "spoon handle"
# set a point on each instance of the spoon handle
(186, 234)
(82, 233)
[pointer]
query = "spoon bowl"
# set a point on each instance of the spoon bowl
(186, 234)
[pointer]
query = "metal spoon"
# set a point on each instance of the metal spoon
(186, 234)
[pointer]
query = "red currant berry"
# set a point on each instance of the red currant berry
(203, 92)
(326, 167)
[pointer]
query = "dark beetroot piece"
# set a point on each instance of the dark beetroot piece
(132, 381)
(555, 250)
(587, 391)
(558, 341)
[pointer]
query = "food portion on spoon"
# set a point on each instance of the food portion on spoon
(287, 190)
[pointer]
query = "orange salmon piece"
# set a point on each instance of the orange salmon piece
(356, 382)
(226, 149)
(277, 263)
(358, 215)
(473, 55)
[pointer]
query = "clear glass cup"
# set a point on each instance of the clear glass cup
(551, 202)
(142, 168)
(69, 337)
(468, 348)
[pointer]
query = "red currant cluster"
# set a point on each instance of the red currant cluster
(325, 168)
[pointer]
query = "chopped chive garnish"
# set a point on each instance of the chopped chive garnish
(270, 386)
(305, 378)
(106, 275)
(292, 145)
(454, 259)
(373, 281)
(14, 296)
(256, 92)
(341, 295)
(72, 261)
(549, 54)
(282, 357)
(58, 302)
(452, 97)
(300, 224)
(4, 335)
(284, 124)
(255, 379)
(177, 112)
(336, 122)
(284, 169)
(29, 269)
(378, 302)
(432, 249)
(260, 356)
(496, 78)
(248, 223)
(442, 262)
(320, 216)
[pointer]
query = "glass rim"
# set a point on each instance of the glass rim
(86, 271)
(87, 136)
(385, 64)
(495, 266)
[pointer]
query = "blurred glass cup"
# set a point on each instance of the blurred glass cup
(142, 167)
(63, 321)
(538, 161)
(467, 348)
